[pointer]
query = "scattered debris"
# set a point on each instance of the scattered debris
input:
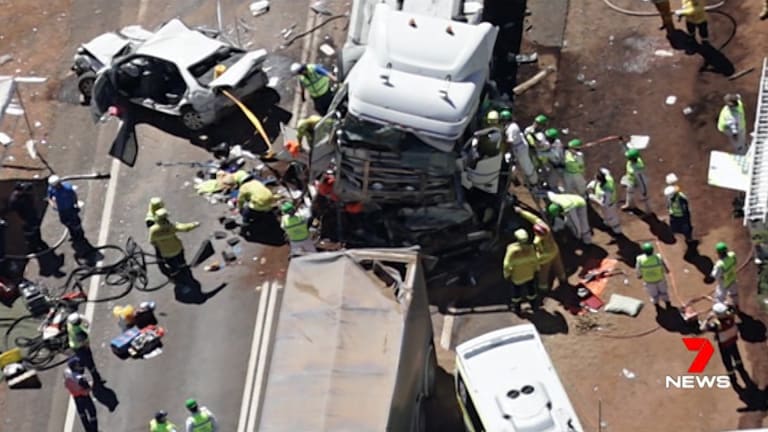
(263, 260)
(37, 124)
(327, 50)
(671, 99)
(320, 8)
(273, 81)
(212, 267)
(5, 58)
(521, 88)
(688, 110)
(663, 53)
(220, 235)
(228, 256)
(259, 7)
(233, 241)
(587, 323)
(732, 77)
(628, 373)
(524, 58)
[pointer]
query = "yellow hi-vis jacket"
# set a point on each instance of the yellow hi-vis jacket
(257, 196)
(316, 83)
(77, 335)
(574, 162)
(635, 168)
(568, 201)
(726, 118)
(651, 268)
(694, 12)
(306, 128)
(163, 236)
(725, 270)
(545, 244)
(520, 263)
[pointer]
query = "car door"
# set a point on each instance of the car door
(125, 146)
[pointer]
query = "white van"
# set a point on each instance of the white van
(505, 382)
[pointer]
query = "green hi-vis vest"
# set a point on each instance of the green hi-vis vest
(675, 208)
(634, 168)
(295, 227)
(728, 266)
(315, 83)
(201, 422)
(574, 163)
(651, 268)
(609, 189)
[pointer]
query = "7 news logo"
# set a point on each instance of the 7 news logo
(705, 350)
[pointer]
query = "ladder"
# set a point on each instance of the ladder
(756, 202)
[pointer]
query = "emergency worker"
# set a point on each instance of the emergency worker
(316, 80)
(602, 191)
(79, 341)
(574, 181)
(570, 210)
(722, 322)
(547, 251)
(652, 268)
(162, 235)
(80, 389)
(296, 229)
(520, 267)
(724, 272)
(636, 181)
(200, 419)
(161, 424)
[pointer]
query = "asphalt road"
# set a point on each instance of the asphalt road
(208, 345)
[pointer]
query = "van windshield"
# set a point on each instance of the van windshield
(359, 132)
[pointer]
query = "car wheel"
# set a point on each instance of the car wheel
(85, 84)
(430, 372)
(192, 119)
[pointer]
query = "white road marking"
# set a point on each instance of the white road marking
(253, 359)
(447, 333)
(261, 369)
(93, 289)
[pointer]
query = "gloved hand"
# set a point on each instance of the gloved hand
(678, 13)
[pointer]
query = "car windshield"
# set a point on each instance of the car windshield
(203, 71)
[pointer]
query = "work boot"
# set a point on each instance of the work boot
(668, 304)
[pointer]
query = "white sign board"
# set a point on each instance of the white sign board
(728, 170)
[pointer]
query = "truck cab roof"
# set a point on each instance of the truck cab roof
(421, 73)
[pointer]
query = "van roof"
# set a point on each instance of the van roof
(513, 383)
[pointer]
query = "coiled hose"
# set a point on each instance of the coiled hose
(128, 271)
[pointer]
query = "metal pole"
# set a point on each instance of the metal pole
(29, 127)
(599, 415)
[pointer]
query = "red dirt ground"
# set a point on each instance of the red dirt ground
(617, 52)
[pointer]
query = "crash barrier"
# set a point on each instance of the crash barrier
(49, 308)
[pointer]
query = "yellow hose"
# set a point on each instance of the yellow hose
(254, 120)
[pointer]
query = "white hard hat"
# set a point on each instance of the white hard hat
(74, 318)
(296, 68)
(53, 180)
(669, 191)
(671, 179)
(521, 235)
(719, 308)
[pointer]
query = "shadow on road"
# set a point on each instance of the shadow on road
(105, 395)
(234, 129)
(191, 292)
(702, 262)
(671, 320)
(547, 322)
(443, 413)
(751, 329)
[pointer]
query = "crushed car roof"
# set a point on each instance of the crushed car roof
(178, 43)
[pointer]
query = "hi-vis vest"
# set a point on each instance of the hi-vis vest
(574, 162)
(520, 263)
(651, 268)
(607, 193)
(75, 335)
(568, 201)
(726, 117)
(315, 83)
(295, 227)
(154, 426)
(634, 168)
(71, 382)
(201, 422)
(728, 267)
(675, 209)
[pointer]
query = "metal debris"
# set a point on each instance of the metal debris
(663, 53)
(259, 7)
(5, 58)
(628, 373)
(327, 50)
(671, 99)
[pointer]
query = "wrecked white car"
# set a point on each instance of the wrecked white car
(175, 70)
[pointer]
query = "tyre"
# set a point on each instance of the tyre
(419, 423)
(85, 85)
(430, 372)
(192, 119)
